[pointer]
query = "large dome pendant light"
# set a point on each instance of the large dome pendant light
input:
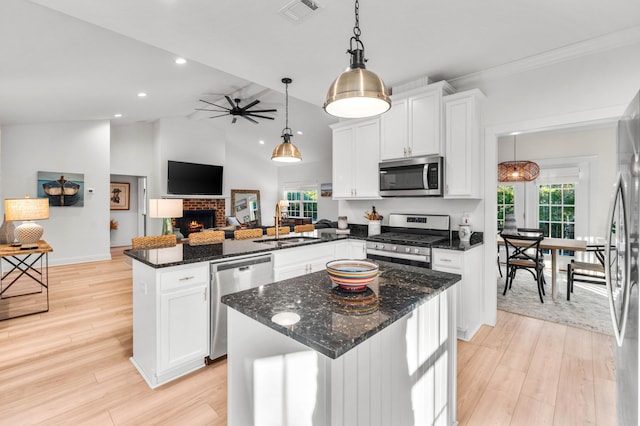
(357, 92)
(517, 171)
(286, 152)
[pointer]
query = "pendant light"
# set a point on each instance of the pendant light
(517, 171)
(286, 152)
(357, 92)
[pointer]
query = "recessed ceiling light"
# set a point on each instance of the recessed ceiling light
(181, 61)
(117, 115)
(261, 142)
(299, 132)
(142, 95)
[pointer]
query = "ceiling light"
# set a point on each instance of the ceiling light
(261, 142)
(286, 152)
(180, 61)
(117, 115)
(357, 92)
(299, 132)
(517, 171)
(142, 95)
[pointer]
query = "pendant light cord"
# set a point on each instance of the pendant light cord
(356, 29)
(359, 45)
(287, 133)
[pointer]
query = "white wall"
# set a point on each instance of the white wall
(131, 148)
(76, 234)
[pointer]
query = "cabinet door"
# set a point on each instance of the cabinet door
(184, 326)
(394, 133)
(462, 141)
(343, 172)
(366, 157)
(425, 123)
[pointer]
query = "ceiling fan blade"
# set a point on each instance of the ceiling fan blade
(230, 102)
(250, 119)
(234, 120)
(212, 110)
(263, 110)
(257, 115)
(211, 103)
(246, 107)
(220, 115)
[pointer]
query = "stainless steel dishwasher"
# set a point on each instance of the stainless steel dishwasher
(231, 276)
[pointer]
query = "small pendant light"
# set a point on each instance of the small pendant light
(517, 171)
(286, 152)
(357, 92)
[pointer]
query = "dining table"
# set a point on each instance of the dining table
(553, 245)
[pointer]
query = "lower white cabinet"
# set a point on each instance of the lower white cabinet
(296, 261)
(170, 320)
(350, 249)
(470, 297)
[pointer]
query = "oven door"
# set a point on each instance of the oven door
(420, 176)
(421, 261)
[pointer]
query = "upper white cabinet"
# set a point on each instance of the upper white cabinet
(462, 142)
(413, 125)
(355, 159)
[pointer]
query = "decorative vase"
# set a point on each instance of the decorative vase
(375, 227)
(342, 222)
(464, 232)
(7, 232)
(510, 226)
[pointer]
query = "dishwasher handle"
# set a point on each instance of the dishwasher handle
(242, 264)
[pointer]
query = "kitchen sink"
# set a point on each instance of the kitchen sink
(287, 241)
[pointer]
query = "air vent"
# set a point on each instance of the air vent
(297, 10)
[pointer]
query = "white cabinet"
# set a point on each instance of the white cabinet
(462, 141)
(170, 320)
(355, 159)
(350, 249)
(296, 261)
(469, 291)
(413, 125)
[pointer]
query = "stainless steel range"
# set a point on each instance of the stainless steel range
(409, 238)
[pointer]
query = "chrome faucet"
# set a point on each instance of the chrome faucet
(278, 219)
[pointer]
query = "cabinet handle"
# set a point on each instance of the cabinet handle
(445, 260)
(206, 293)
(186, 278)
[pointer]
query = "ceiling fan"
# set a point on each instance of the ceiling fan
(238, 111)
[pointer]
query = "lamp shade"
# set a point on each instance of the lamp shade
(286, 152)
(26, 208)
(518, 171)
(357, 93)
(165, 207)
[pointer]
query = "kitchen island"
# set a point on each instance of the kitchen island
(300, 351)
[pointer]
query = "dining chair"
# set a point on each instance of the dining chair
(205, 237)
(245, 234)
(154, 241)
(586, 272)
(523, 252)
(304, 228)
(283, 230)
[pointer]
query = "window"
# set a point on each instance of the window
(303, 203)
(556, 211)
(505, 203)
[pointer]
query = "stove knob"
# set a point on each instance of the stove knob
(416, 251)
(407, 250)
(381, 246)
(394, 248)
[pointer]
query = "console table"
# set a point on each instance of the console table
(24, 273)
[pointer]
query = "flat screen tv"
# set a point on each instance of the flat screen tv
(193, 179)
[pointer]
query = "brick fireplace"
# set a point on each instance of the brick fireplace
(217, 204)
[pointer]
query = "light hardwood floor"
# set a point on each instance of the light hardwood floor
(71, 366)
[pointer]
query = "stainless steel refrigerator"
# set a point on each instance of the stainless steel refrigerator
(622, 261)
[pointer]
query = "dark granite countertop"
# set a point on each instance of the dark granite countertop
(331, 322)
(183, 254)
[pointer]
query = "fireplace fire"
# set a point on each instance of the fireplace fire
(195, 221)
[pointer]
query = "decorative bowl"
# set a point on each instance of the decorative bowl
(352, 275)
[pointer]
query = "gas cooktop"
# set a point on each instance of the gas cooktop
(408, 238)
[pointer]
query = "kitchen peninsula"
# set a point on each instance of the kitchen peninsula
(300, 351)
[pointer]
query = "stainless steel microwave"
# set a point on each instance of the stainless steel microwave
(412, 177)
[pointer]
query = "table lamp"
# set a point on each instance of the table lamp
(166, 208)
(27, 209)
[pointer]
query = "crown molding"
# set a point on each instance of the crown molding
(589, 47)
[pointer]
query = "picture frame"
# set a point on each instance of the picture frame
(119, 194)
(326, 189)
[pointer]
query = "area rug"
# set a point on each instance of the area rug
(588, 307)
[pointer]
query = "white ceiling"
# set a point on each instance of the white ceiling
(87, 59)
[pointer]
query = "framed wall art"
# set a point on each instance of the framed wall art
(119, 195)
(62, 189)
